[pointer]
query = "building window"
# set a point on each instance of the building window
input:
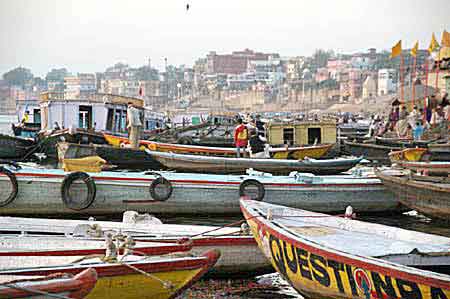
(314, 135)
(288, 136)
(85, 117)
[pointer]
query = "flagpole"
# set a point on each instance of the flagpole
(437, 70)
(401, 77)
(413, 76)
(426, 87)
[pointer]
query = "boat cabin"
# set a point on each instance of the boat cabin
(297, 133)
(103, 112)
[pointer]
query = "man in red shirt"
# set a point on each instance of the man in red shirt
(240, 137)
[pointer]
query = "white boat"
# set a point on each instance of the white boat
(38, 191)
(240, 256)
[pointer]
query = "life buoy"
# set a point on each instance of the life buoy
(253, 189)
(185, 140)
(72, 203)
(15, 188)
(161, 189)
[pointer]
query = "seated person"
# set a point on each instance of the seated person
(257, 145)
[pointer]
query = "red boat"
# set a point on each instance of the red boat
(50, 286)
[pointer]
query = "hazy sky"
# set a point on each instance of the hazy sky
(89, 35)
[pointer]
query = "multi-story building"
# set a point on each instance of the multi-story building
(80, 85)
(369, 88)
(386, 83)
(234, 63)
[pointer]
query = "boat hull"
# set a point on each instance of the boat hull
(119, 281)
(76, 287)
(316, 271)
(121, 157)
(240, 256)
(14, 147)
(314, 151)
(373, 152)
(39, 193)
(428, 198)
(202, 164)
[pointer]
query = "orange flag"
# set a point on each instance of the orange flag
(445, 42)
(397, 49)
(415, 49)
(433, 44)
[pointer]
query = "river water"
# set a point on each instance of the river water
(272, 285)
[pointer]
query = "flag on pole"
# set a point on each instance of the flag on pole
(415, 49)
(396, 50)
(445, 42)
(433, 44)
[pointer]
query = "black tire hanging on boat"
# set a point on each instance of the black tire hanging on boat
(167, 189)
(15, 188)
(186, 140)
(261, 191)
(67, 182)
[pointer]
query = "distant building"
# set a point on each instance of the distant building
(234, 63)
(386, 83)
(80, 85)
(369, 88)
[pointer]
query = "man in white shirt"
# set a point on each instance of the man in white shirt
(134, 125)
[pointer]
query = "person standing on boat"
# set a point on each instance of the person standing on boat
(257, 145)
(240, 137)
(134, 125)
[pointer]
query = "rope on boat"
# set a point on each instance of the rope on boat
(165, 283)
(244, 220)
(14, 286)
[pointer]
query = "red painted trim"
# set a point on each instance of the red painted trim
(111, 270)
(154, 250)
(77, 287)
(347, 260)
(211, 241)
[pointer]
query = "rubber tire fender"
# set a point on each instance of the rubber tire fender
(257, 184)
(155, 183)
(186, 140)
(67, 182)
(13, 180)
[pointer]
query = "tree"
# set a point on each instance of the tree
(19, 76)
(320, 57)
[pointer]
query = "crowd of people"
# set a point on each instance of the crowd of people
(435, 118)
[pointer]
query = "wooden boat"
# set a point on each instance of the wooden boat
(403, 142)
(47, 140)
(313, 151)
(14, 147)
(121, 158)
(130, 277)
(442, 167)
(439, 151)
(330, 257)
(27, 130)
(407, 154)
(429, 198)
(38, 192)
(51, 286)
(370, 151)
(205, 164)
(46, 250)
(240, 256)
